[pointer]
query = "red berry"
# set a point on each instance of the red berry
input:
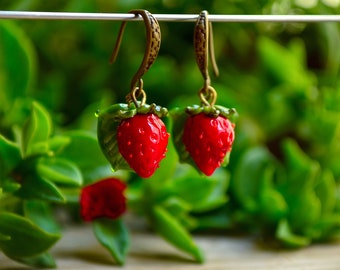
(142, 141)
(104, 198)
(208, 140)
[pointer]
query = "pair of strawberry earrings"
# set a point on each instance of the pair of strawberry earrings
(133, 136)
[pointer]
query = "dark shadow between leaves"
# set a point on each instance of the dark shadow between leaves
(88, 255)
(163, 257)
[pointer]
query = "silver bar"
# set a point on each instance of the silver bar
(33, 15)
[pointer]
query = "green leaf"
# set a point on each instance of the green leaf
(114, 236)
(289, 239)
(59, 171)
(26, 239)
(71, 194)
(36, 131)
(295, 158)
(41, 214)
(272, 204)
(325, 190)
(57, 143)
(210, 192)
(44, 260)
(35, 187)
(290, 70)
(178, 208)
(304, 210)
(217, 197)
(17, 63)
(4, 237)
(9, 185)
(215, 220)
(249, 174)
(190, 180)
(90, 160)
(9, 156)
(172, 231)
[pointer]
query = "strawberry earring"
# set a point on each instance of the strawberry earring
(204, 134)
(132, 135)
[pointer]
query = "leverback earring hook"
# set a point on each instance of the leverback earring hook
(153, 43)
(204, 44)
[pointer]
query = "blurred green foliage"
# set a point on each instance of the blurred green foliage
(283, 78)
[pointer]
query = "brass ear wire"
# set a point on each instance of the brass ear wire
(204, 47)
(153, 43)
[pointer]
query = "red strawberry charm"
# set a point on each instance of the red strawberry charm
(203, 135)
(133, 137)
(208, 139)
(142, 141)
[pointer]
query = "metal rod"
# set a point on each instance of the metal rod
(33, 15)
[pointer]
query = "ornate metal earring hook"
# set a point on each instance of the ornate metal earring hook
(204, 47)
(153, 43)
(203, 43)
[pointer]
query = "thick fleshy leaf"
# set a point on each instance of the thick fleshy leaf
(304, 210)
(299, 190)
(215, 220)
(4, 237)
(26, 239)
(114, 236)
(290, 70)
(272, 204)
(9, 156)
(9, 185)
(289, 239)
(35, 187)
(17, 66)
(89, 159)
(190, 180)
(173, 232)
(36, 131)
(249, 175)
(59, 171)
(44, 260)
(41, 214)
(180, 209)
(217, 197)
(57, 143)
(210, 192)
(325, 190)
(303, 172)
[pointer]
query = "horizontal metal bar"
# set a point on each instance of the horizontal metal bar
(33, 15)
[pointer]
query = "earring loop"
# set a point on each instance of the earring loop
(136, 92)
(203, 44)
(153, 42)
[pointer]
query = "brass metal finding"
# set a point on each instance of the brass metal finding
(153, 43)
(135, 93)
(204, 47)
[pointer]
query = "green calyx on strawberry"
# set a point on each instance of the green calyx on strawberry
(203, 136)
(133, 138)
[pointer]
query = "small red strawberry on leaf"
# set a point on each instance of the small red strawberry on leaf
(142, 141)
(133, 137)
(203, 136)
(208, 139)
